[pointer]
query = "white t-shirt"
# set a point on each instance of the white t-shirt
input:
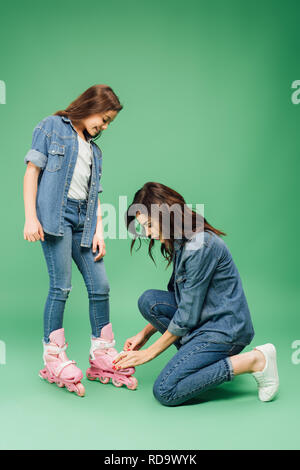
(79, 186)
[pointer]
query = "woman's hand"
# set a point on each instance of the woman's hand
(33, 230)
(136, 358)
(98, 242)
(136, 342)
(131, 359)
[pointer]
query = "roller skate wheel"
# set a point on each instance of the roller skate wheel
(80, 390)
(60, 384)
(104, 380)
(116, 383)
(43, 374)
(90, 377)
(133, 383)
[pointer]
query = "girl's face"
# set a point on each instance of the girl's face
(98, 122)
(151, 226)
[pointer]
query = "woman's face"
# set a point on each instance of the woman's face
(151, 226)
(98, 122)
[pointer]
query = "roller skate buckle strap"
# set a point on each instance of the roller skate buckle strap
(54, 349)
(62, 366)
(100, 344)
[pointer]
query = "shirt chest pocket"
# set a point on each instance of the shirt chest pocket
(56, 154)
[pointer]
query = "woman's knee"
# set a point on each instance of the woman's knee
(145, 302)
(164, 397)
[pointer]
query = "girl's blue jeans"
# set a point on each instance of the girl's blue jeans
(59, 252)
(198, 365)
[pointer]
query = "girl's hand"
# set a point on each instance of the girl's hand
(135, 342)
(131, 359)
(33, 230)
(98, 242)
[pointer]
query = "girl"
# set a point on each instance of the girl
(204, 312)
(62, 210)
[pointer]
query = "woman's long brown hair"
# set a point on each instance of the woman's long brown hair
(159, 194)
(97, 99)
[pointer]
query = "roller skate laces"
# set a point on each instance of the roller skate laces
(58, 368)
(102, 353)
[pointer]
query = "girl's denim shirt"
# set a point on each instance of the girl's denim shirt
(208, 291)
(54, 149)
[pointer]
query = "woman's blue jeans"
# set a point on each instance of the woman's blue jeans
(198, 365)
(59, 252)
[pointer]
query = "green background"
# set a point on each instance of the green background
(206, 89)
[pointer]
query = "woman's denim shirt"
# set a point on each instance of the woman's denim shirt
(208, 291)
(54, 149)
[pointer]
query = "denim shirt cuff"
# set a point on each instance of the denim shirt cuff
(177, 330)
(36, 157)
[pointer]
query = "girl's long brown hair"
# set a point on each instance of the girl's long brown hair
(159, 194)
(97, 99)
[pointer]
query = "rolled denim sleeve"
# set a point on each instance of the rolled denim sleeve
(39, 148)
(200, 265)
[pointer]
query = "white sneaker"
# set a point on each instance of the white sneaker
(267, 380)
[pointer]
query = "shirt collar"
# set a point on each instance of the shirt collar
(193, 237)
(66, 119)
(178, 243)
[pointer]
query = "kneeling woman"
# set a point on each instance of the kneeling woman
(204, 312)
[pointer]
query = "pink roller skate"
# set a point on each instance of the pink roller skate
(58, 368)
(102, 353)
